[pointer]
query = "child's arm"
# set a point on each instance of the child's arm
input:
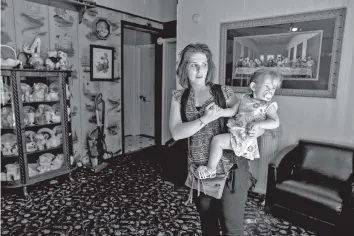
(229, 112)
(271, 122)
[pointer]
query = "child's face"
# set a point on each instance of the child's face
(265, 89)
(197, 68)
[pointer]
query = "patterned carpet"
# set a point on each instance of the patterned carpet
(136, 142)
(127, 198)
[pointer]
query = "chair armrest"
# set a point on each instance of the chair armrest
(274, 167)
(280, 156)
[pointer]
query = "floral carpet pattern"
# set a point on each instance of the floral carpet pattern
(127, 198)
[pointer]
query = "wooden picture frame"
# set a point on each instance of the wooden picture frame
(305, 48)
(101, 63)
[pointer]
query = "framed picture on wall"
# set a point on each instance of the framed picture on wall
(101, 63)
(304, 48)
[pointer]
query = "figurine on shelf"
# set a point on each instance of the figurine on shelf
(12, 172)
(64, 63)
(54, 140)
(35, 49)
(38, 92)
(52, 60)
(41, 140)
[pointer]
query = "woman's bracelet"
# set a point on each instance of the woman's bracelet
(201, 122)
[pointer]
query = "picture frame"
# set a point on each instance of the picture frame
(101, 63)
(305, 48)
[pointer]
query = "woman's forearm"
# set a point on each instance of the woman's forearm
(187, 129)
(227, 112)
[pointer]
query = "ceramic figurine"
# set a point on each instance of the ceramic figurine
(12, 172)
(40, 141)
(35, 49)
(52, 60)
(54, 141)
(63, 63)
(38, 92)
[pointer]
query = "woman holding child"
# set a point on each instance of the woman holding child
(220, 199)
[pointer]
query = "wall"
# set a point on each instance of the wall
(60, 29)
(160, 10)
(329, 120)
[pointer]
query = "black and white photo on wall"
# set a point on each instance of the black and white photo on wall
(101, 63)
(305, 48)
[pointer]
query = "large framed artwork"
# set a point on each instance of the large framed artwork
(101, 63)
(304, 48)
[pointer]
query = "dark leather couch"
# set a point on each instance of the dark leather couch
(316, 180)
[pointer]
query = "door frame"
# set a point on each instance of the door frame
(165, 52)
(158, 80)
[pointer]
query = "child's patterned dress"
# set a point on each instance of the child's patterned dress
(249, 110)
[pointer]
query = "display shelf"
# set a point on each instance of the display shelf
(50, 150)
(13, 79)
(40, 102)
(32, 127)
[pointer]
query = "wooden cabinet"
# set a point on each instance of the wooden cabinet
(36, 140)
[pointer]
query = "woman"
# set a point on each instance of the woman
(195, 71)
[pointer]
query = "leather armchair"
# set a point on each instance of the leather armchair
(316, 180)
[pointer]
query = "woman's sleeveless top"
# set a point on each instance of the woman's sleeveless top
(200, 142)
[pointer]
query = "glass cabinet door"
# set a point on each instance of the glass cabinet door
(42, 104)
(10, 170)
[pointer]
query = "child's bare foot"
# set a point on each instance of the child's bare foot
(202, 172)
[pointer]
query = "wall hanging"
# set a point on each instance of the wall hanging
(101, 63)
(304, 48)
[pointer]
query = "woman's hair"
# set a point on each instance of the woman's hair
(259, 75)
(184, 60)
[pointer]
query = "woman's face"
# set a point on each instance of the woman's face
(197, 68)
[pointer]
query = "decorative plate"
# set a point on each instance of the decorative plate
(38, 86)
(45, 131)
(54, 87)
(26, 88)
(57, 130)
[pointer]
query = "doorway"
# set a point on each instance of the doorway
(141, 86)
(169, 83)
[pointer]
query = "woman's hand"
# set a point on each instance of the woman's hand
(212, 112)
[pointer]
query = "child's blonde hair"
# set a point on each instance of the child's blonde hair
(259, 75)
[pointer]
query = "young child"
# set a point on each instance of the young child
(253, 111)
